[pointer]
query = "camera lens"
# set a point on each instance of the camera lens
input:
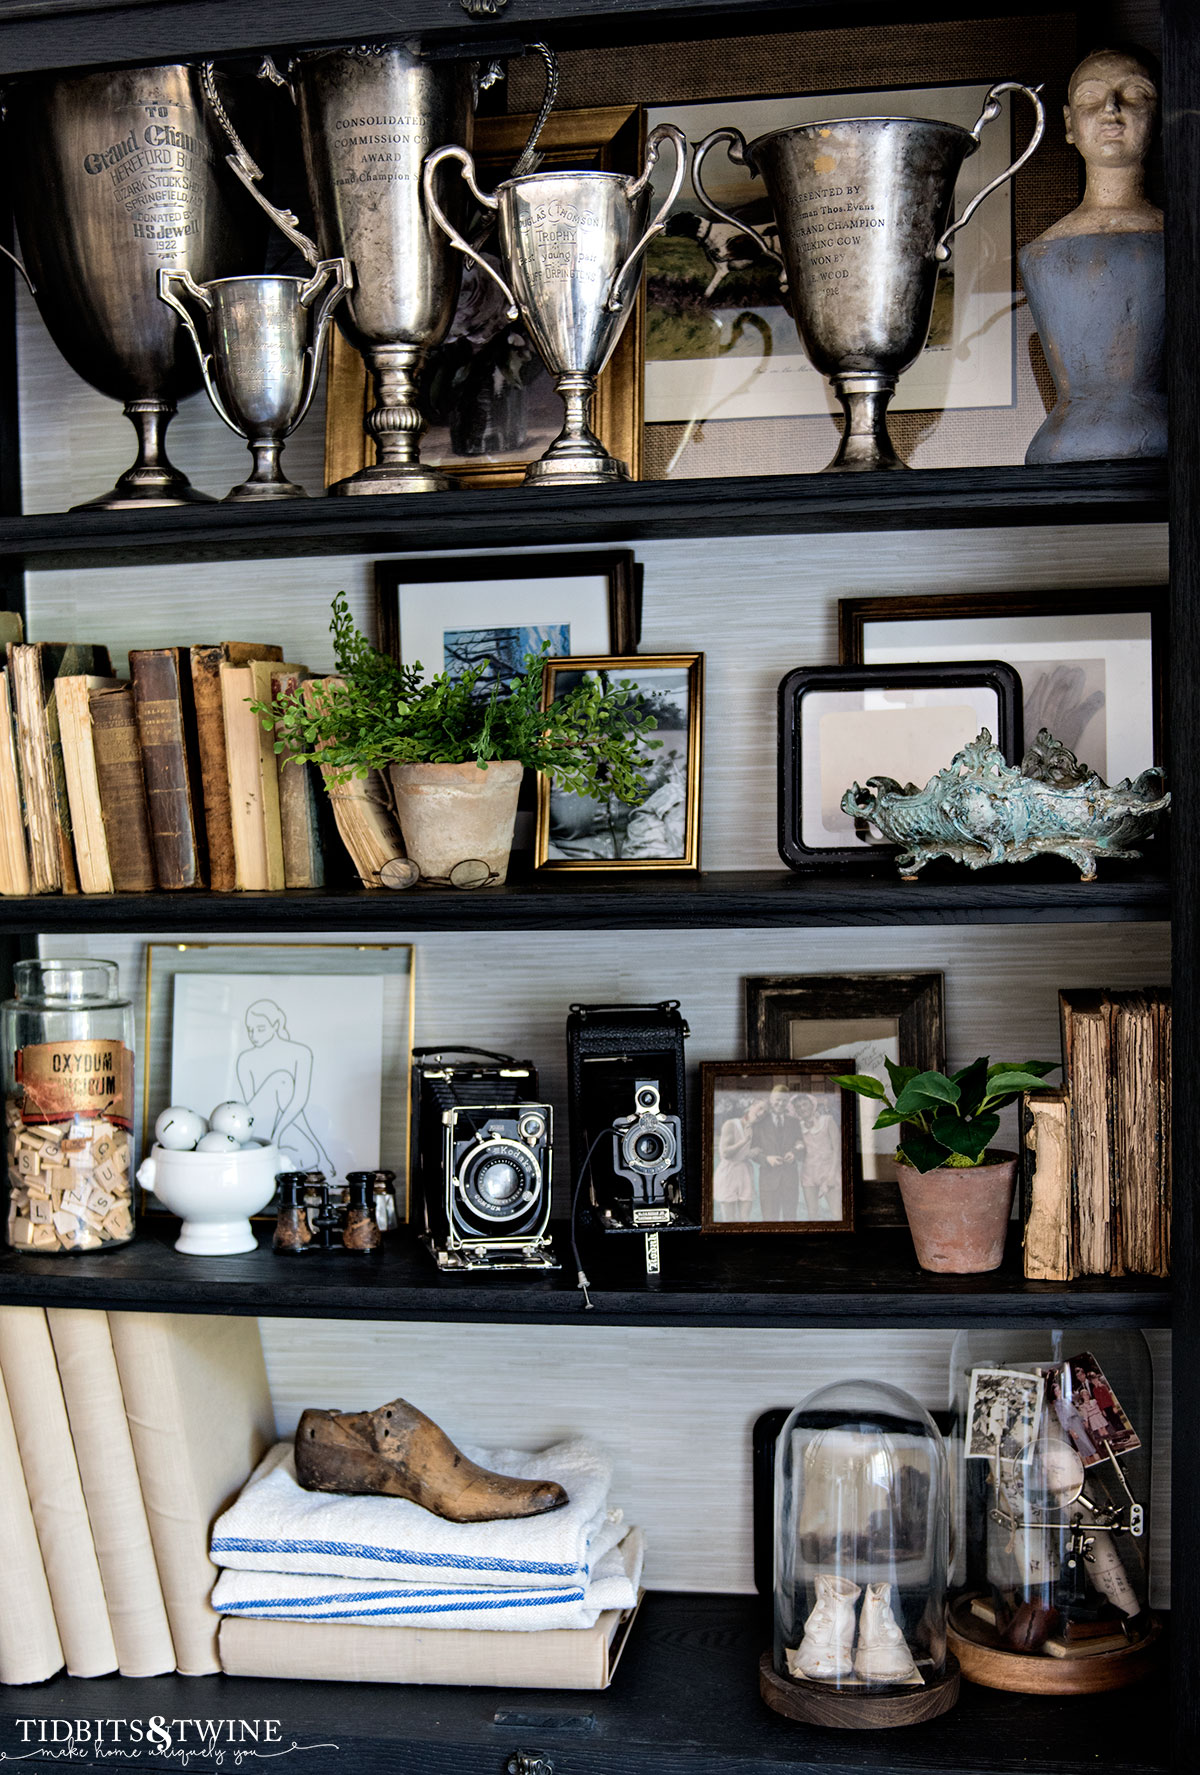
(646, 1099)
(650, 1148)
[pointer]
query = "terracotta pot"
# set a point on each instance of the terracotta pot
(449, 812)
(959, 1218)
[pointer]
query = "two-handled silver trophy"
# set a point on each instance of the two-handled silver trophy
(571, 250)
(260, 355)
(862, 211)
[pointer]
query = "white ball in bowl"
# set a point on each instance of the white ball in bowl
(178, 1129)
(216, 1142)
(236, 1119)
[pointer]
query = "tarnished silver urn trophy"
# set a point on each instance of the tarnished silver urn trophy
(260, 342)
(862, 209)
(369, 115)
(571, 245)
(115, 176)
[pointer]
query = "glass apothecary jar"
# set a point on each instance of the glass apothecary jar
(1053, 1449)
(68, 1105)
(862, 1546)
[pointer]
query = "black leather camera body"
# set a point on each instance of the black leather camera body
(628, 1110)
(480, 1161)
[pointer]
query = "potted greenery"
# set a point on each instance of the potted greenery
(958, 1223)
(453, 750)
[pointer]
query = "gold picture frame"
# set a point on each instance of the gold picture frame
(608, 138)
(597, 840)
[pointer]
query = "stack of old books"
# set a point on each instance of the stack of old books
(170, 780)
(1098, 1160)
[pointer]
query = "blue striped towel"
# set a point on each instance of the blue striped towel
(276, 1526)
(289, 1597)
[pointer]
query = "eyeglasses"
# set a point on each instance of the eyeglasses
(470, 873)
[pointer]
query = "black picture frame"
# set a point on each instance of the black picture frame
(775, 1003)
(801, 1077)
(991, 675)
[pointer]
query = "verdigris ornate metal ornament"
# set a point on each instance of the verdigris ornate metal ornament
(980, 810)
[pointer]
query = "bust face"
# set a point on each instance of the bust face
(1111, 109)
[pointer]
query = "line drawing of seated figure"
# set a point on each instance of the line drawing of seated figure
(275, 1079)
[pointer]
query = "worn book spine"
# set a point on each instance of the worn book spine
(1047, 1119)
(72, 698)
(206, 662)
(55, 1493)
(122, 787)
(60, 796)
(160, 704)
(361, 806)
(30, 1649)
(1160, 1002)
(1087, 1068)
(261, 673)
(14, 852)
(1136, 1131)
(33, 753)
(91, 1387)
(200, 1417)
(251, 868)
(303, 854)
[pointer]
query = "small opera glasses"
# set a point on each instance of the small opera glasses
(571, 249)
(260, 341)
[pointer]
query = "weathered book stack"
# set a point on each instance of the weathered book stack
(1098, 1150)
(169, 780)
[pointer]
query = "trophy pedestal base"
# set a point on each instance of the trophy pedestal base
(400, 477)
(576, 471)
(254, 491)
(128, 499)
(866, 447)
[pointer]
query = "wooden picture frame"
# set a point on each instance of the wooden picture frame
(852, 1009)
(517, 598)
(961, 620)
(810, 1155)
(810, 790)
(608, 138)
(590, 847)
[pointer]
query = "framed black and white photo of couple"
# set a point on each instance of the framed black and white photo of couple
(661, 830)
(493, 610)
(1091, 662)
(871, 1017)
(777, 1147)
(841, 725)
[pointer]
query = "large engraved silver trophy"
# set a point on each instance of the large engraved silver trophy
(862, 211)
(571, 247)
(369, 115)
(115, 176)
(260, 342)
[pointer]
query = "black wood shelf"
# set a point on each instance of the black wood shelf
(684, 1701)
(510, 517)
(858, 1280)
(657, 900)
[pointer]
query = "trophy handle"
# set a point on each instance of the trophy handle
(432, 162)
(167, 294)
(737, 154)
(991, 110)
(528, 160)
(244, 168)
(665, 132)
(339, 277)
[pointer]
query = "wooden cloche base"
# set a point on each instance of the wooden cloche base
(817, 1704)
(984, 1660)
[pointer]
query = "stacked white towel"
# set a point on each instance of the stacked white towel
(300, 1555)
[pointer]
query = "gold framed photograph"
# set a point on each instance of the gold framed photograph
(777, 1150)
(488, 399)
(662, 829)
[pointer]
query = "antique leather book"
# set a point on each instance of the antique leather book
(243, 753)
(1087, 1071)
(1141, 1138)
(122, 789)
(361, 809)
(30, 1649)
(32, 669)
(299, 818)
(14, 851)
(1047, 1116)
(206, 663)
(71, 697)
(166, 730)
(261, 675)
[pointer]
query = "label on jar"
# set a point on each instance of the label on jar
(65, 1079)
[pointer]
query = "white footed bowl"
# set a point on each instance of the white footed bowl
(214, 1194)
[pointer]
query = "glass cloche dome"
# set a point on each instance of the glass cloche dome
(862, 1544)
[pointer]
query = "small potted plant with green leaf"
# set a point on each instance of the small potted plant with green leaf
(957, 1193)
(454, 749)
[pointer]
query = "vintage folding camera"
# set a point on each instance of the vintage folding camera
(626, 1082)
(480, 1161)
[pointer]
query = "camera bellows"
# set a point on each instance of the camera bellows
(396, 1451)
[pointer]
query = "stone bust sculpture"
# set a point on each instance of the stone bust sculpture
(1094, 280)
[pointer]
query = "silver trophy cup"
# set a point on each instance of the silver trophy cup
(114, 177)
(260, 355)
(571, 247)
(862, 212)
(369, 115)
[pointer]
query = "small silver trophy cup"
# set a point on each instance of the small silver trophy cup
(260, 355)
(862, 211)
(571, 245)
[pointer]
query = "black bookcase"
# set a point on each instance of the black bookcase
(685, 1702)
